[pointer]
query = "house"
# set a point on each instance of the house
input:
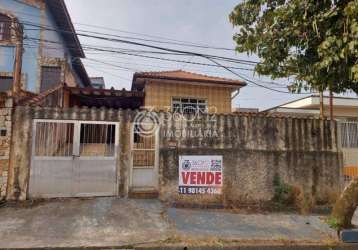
(181, 91)
(98, 82)
(51, 49)
(51, 55)
(186, 92)
(344, 108)
(345, 111)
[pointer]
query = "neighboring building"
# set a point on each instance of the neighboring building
(185, 91)
(344, 108)
(345, 111)
(49, 56)
(98, 82)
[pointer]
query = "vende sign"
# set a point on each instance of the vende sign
(200, 174)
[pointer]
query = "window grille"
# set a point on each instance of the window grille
(97, 140)
(5, 24)
(54, 139)
(189, 105)
(349, 134)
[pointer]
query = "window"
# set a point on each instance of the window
(50, 76)
(54, 139)
(189, 105)
(349, 134)
(5, 83)
(5, 24)
(97, 140)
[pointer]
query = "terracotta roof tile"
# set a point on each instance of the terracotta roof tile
(185, 75)
(36, 100)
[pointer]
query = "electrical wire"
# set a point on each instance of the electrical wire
(179, 42)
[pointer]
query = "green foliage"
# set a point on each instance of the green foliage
(315, 42)
(333, 223)
(283, 193)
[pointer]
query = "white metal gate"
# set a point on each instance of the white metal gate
(144, 172)
(73, 159)
(348, 136)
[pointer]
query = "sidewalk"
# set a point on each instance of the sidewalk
(142, 224)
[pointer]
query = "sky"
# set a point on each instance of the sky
(203, 22)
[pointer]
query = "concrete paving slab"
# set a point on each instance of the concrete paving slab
(77, 222)
(227, 226)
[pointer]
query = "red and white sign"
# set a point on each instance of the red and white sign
(200, 174)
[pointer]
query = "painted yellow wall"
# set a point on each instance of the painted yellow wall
(159, 95)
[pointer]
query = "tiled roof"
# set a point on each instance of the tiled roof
(36, 100)
(186, 76)
(92, 96)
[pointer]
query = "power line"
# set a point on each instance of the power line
(209, 57)
(146, 45)
(146, 56)
(227, 68)
(253, 82)
(174, 41)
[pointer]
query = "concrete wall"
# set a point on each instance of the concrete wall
(303, 152)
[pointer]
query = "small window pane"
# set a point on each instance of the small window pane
(97, 140)
(5, 30)
(50, 77)
(54, 139)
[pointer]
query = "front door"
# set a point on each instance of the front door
(73, 159)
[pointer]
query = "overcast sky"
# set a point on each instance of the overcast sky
(195, 21)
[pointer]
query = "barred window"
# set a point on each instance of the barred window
(189, 105)
(5, 26)
(349, 134)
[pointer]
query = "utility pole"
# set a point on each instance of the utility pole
(18, 59)
(321, 105)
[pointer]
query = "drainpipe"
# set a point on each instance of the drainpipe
(236, 94)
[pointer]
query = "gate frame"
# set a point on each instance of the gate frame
(156, 160)
(76, 147)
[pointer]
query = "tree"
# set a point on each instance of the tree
(315, 42)
(343, 211)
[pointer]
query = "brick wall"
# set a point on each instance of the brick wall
(5, 134)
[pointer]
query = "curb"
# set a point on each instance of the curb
(251, 247)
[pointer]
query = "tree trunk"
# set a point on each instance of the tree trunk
(346, 205)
